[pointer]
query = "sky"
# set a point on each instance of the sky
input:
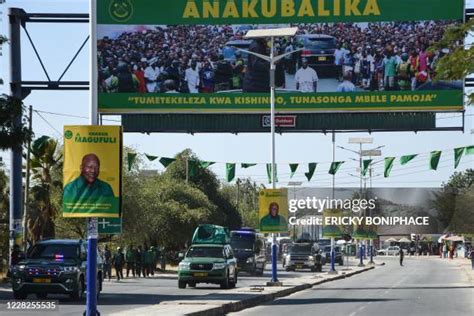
(57, 44)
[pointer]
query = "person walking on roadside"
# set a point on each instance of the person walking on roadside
(138, 261)
(118, 263)
(107, 263)
(401, 254)
(130, 260)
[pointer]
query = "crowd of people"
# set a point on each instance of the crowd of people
(137, 262)
(195, 58)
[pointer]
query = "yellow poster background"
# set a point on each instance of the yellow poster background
(267, 197)
(103, 141)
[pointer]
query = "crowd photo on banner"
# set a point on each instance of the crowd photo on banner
(331, 57)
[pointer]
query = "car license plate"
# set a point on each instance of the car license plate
(200, 274)
(322, 58)
(39, 280)
(299, 266)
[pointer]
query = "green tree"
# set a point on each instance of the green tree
(460, 61)
(226, 213)
(452, 203)
(244, 195)
(10, 135)
(46, 166)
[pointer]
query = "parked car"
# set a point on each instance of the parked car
(317, 49)
(339, 259)
(390, 251)
(54, 266)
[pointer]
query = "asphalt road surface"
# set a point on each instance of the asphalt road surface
(139, 292)
(423, 287)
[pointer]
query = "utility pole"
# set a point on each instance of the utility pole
(16, 205)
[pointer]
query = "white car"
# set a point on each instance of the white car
(390, 251)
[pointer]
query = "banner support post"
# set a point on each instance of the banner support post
(92, 230)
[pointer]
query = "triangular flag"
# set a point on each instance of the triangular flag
(388, 166)
(247, 165)
(406, 159)
(469, 150)
(311, 169)
(293, 167)
(131, 159)
(229, 171)
(434, 159)
(335, 167)
(192, 167)
(365, 166)
(166, 161)
(205, 164)
(458, 155)
(150, 157)
(269, 173)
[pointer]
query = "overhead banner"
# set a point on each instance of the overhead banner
(92, 171)
(273, 210)
(190, 56)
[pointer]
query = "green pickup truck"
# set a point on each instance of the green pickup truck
(210, 259)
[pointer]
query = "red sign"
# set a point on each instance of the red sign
(280, 121)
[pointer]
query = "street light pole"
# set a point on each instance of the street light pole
(271, 33)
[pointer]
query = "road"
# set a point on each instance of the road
(423, 287)
(139, 292)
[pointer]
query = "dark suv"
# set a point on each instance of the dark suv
(317, 49)
(54, 266)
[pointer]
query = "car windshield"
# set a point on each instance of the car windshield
(205, 252)
(241, 244)
(319, 43)
(56, 252)
(301, 248)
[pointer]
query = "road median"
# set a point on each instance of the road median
(227, 301)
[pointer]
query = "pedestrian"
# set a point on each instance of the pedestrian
(144, 261)
(306, 78)
(401, 254)
(390, 69)
(138, 261)
(346, 85)
(118, 263)
(130, 260)
(107, 263)
(192, 78)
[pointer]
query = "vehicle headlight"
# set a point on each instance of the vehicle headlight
(250, 260)
(218, 266)
(71, 269)
(288, 257)
(20, 267)
(183, 266)
(311, 258)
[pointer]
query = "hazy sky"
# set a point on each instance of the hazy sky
(58, 43)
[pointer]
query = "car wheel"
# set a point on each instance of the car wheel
(260, 272)
(313, 269)
(192, 284)
(41, 296)
(79, 291)
(181, 284)
(226, 283)
(20, 295)
(234, 281)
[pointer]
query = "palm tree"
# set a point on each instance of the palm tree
(46, 165)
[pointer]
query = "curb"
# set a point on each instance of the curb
(254, 301)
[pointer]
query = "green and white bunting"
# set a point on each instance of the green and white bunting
(365, 166)
(388, 166)
(406, 159)
(130, 160)
(458, 152)
(229, 172)
(293, 167)
(311, 169)
(335, 167)
(434, 159)
(269, 172)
